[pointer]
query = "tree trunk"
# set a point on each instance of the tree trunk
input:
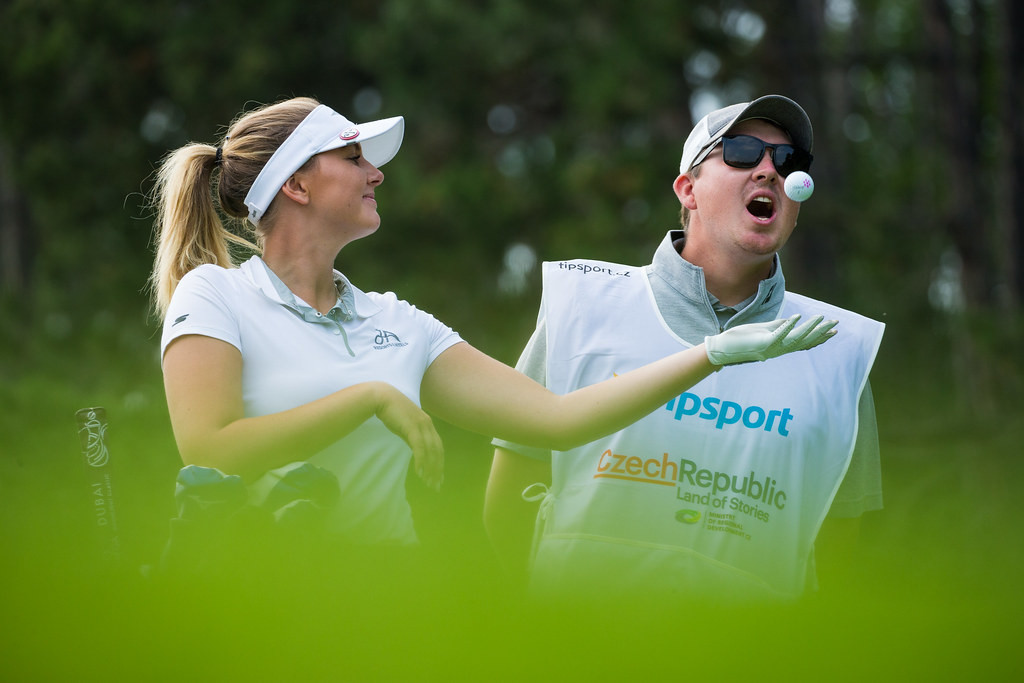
(1013, 125)
(959, 127)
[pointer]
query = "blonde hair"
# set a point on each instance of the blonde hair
(188, 228)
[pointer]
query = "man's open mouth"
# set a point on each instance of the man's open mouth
(761, 207)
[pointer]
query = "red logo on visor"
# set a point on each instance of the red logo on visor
(349, 134)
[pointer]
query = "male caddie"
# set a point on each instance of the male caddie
(722, 492)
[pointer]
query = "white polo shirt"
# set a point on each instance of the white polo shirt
(292, 354)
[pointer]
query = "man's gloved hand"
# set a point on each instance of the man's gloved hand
(761, 341)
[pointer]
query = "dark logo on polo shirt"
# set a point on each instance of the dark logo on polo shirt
(180, 319)
(386, 339)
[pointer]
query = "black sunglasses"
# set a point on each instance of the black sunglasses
(745, 151)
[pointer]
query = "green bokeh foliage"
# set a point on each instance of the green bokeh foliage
(601, 93)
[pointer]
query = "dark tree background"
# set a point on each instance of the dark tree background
(555, 125)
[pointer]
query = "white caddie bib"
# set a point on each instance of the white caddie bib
(721, 491)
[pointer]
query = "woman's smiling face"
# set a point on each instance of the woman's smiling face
(343, 185)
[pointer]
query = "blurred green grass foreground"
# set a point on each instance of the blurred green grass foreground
(935, 595)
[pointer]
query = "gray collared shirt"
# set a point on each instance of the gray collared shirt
(692, 312)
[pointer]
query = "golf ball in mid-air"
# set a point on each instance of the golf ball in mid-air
(799, 186)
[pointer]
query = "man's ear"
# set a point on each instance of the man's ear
(295, 188)
(683, 187)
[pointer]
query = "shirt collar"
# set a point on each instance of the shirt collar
(352, 302)
(688, 279)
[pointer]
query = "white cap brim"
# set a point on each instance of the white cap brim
(322, 130)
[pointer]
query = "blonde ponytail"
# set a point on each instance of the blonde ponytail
(189, 231)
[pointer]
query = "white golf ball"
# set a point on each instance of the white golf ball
(799, 186)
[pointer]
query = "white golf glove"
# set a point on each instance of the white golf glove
(761, 341)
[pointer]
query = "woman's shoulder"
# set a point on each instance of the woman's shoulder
(210, 275)
(211, 284)
(384, 298)
(391, 302)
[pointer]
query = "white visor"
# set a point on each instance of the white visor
(322, 130)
